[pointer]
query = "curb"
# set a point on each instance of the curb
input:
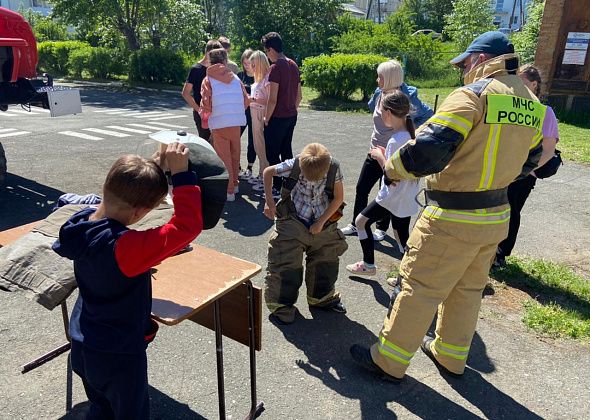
(116, 84)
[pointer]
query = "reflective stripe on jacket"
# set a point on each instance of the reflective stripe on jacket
(484, 135)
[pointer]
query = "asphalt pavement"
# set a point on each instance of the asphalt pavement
(304, 370)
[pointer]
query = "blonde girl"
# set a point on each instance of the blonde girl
(259, 99)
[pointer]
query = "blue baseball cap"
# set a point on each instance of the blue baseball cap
(492, 42)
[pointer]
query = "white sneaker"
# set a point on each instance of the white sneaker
(230, 197)
(379, 235)
(255, 180)
(246, 174)
(349, 230)
(236, 189)
(258, 187)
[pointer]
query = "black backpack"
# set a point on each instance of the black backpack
(550, 167)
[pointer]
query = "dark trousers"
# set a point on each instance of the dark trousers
(371, 173)
(375, 212)
(204, 133)
(251, 153)
(518, 192)
(278, 139)
(116, 384)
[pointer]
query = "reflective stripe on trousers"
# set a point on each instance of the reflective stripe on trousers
(456, 352)
(475, 217)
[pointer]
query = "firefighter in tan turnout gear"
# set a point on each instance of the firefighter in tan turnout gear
(486, 134)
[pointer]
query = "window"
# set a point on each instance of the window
(500, 5)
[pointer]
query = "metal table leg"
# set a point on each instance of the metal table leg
(219, 353)
(56, 352)
(256, 408)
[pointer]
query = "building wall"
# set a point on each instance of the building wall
(387, 7)
(503, 13)
(41, 6)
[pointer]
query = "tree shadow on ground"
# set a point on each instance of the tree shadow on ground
(133, 99)
(244, 216)
(24, 201)
(325, 340)
(161, 407)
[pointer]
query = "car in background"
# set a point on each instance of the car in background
(431, 32)
(506, 31)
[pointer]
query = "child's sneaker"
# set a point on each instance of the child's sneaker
(379, 235)
(361, 269)
(246, 174)
(349, 230)
(254, 180)
(230, 197)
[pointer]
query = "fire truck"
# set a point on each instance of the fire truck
(19, 82)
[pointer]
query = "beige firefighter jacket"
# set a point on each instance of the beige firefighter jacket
(483, 136)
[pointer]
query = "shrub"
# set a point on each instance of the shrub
(106, 62)
(525, 41)
(340, 75)
(78, 61)
(54, 55)
(98, 62)
(420, 54)
(155, 65)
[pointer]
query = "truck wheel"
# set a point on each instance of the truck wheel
(2, 164)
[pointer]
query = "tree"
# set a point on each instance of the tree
(304, 25)
(525, 41)
(435, 13)
(123, 15)
(45, 28)
(427, 14)
(174, 24)
(469, 19)
(417, 11)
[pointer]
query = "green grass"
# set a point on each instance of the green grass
(560, 299)
(356, 103)
(574, 142)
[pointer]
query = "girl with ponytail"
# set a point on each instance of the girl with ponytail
(394, 200)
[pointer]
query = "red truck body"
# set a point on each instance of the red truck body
(16, 33)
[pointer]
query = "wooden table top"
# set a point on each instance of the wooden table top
(183, 284)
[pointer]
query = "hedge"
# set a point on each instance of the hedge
(156, 65)
(99, 62)
(54, 56)
(340, 75)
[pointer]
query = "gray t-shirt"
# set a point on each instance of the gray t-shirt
(381, 133)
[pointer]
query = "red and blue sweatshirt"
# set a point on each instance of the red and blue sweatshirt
(112, 266)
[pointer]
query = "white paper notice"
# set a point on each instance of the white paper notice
(576, 57)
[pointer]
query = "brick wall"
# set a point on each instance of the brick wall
(548, 37)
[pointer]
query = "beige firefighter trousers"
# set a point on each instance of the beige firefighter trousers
(446, 267)
(286, 246)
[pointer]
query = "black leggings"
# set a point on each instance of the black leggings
(518, 192)
(204, 133)
(251, 154)
(375, 212)
(278, 137)
(371, 173)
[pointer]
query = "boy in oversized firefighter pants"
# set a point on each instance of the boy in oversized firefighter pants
(311, 198)
(469, 152)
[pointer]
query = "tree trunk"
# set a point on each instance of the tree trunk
(131, 37)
